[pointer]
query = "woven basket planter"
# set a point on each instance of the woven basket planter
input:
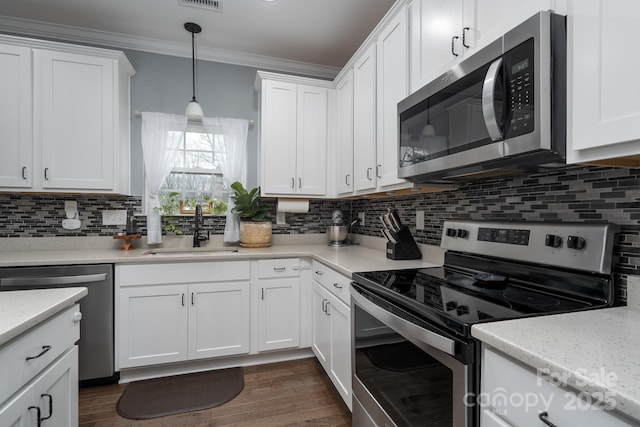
(255, 234)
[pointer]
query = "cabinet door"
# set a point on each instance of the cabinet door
(340, 317)
(487, 20)
(321, 340)
(393, 87)
(218, 319)
(16, 140)
(278, 151)
(603, 106)
(312, 140)
(344, 150)
(279, 313)
(75, 112)
(54, 392)
(153, 325)
(436, 39)
(364, 120)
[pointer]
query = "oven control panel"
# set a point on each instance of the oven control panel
(583, 246)
(504, 235)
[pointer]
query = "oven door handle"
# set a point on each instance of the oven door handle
(405, 327)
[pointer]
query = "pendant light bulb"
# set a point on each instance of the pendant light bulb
(194, 110)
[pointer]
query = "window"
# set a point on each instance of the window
(196, 176)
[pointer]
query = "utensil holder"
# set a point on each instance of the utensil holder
(405, 248)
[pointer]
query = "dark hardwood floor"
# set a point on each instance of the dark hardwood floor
(281, 394)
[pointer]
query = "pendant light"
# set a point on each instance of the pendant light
(194, 110)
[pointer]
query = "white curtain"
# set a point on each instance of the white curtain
(162, 135)
(233, 145)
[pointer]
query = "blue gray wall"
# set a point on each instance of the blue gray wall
(163, 84)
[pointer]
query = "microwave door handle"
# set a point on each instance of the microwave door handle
(488, 101)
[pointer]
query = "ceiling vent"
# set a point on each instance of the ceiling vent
(215, 5)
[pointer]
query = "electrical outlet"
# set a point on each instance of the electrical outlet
(419, 220)
(118, 217)
(361, 218)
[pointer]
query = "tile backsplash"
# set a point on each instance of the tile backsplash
(573, 193)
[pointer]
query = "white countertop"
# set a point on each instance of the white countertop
(346, 260)
(22, 310)
(596, 350)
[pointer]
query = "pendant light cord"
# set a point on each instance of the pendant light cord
(193, 63)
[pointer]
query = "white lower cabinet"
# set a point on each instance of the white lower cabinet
(278, 304)
(39, 372)
(51, 400)
(513, 394)
(182, 311)
(331, 341)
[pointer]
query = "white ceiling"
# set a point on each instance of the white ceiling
(296, 32)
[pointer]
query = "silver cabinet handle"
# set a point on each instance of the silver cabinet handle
(319, 273)
(45, 348)
(346, 179)
(335, 285)
(293, 183)
(369, 174)
(24, 172)
(488, 99)
(46, 174)
(52, 281)
(182, 296)
(326, 311)
(279, 269)
(464, 37)
(453, 44)
(192, 298)
(262, 294)
(378, 171)
(544, 417)
(299, 182)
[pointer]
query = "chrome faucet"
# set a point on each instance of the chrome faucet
(197, 238)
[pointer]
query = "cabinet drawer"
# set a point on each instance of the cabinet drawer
(182, 272)
(517, 395)
(286, 267)
(330, 279)
(42, 345)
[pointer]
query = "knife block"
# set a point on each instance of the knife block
(405, 248)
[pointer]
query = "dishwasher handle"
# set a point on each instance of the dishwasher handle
(29, 282)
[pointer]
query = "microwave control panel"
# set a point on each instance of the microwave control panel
(519, 81)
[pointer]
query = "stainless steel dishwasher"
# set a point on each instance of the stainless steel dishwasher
(96, 345)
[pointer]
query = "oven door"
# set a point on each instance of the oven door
(405, 374)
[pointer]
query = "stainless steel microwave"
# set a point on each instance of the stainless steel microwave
(500, 111)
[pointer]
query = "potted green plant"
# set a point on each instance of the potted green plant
(255, 222)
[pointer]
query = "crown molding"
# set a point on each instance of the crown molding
(31, 28)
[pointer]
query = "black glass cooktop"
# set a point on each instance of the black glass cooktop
(457, 298)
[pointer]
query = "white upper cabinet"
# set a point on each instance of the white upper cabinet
(444, 32)
(312, 140)
(486, 20)
(74, 101)
(603, 108)
(364, 120)
(65, 117)
(294, 128)
(344, 138)
(436, 38)
(16, 162)
(393, 87)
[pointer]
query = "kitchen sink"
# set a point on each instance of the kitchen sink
(190, 251)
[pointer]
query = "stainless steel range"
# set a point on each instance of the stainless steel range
(414, 360)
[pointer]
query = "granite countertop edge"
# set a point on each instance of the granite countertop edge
(584, 358)
(346, 260)
(22, 310)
